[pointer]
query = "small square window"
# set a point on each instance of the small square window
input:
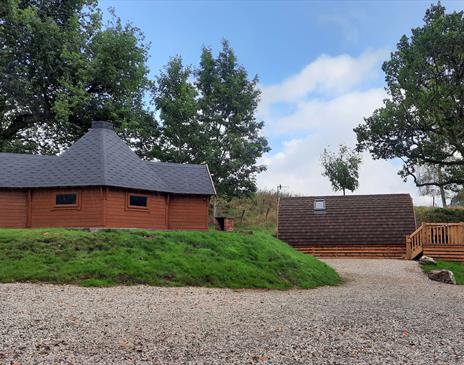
(319, 204)
(138, 200)
(66, 199)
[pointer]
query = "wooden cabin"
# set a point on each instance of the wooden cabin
(100, 182)
(347, 226)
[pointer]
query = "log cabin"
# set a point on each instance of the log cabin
(100, 182)
(370, 226)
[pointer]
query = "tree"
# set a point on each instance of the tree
(422, 122)
(341, 168)
(227, 105)
(60, 69)
(175, 99)
(432, 173)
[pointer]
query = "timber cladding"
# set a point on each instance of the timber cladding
(118, 212)
(347, 223)
(13, 208)
(102, 207)
(188, 212)
(88, 212)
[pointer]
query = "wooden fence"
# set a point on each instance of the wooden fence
(439, 240)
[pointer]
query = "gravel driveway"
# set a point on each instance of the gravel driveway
(388, 312)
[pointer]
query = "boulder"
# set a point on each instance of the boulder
(427, 260)
(442, 275)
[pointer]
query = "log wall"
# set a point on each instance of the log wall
(87, 213)
(13, 208)
(188, 212)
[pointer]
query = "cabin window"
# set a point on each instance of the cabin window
(319, 205)
(138, 201)
(66, 199)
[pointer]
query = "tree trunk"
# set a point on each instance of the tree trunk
(443, 197)
(214, 208)
(343, 191)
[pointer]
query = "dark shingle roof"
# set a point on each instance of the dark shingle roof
(354, 219)
(101, 158)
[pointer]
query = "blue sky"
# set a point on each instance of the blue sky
(318, 63)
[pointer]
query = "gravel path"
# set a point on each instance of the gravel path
(388, 312)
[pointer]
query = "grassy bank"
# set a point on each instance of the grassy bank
(456, 267)
(104, 258)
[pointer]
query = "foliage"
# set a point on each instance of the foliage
(341, 168)
(60, 69)
(456, 267)
(458, 199)
(227, 107)
(438, 215)
(422, 122)
(175, 99)
(249, 212)
(428, 173)
(183, 258)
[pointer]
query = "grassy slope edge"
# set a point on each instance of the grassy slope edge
(456, 267)
(182, 258)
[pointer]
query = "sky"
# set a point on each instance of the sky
(319, 66)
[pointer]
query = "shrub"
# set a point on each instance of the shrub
(439, 215)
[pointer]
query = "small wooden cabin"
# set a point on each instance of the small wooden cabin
(347, 226)
(100, 182)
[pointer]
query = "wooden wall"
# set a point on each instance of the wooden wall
(88, 213)
(356, 251)
(188, 212)
(117, 213)
(451, 252)
(102, 207)
(13, 208)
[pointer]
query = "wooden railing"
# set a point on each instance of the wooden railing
(434, 234)
(415, 243)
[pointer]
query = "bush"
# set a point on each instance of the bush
(439, 215)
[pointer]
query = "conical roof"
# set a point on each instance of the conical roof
(101, 158)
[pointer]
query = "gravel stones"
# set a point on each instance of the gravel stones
(379, 316)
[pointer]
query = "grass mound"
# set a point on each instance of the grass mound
(183, 258)
(456, 267)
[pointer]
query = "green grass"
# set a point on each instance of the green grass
(456, 267)
(251, 259)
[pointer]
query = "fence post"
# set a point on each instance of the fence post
(408, 247)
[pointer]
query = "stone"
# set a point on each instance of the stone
(442, 275)
(427, 260)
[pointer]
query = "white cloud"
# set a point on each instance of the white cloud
(326, 75)
(316, 122)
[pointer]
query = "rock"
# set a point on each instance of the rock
(427, 260)
(444, 276)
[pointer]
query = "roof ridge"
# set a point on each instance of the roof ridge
(343, 196)
(103, 154)
(176, 163)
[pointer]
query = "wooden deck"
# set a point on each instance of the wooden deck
(443, 241)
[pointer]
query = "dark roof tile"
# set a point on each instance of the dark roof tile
(101, 158)
(354, 219)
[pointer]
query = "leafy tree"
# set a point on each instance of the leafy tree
(342, 168)
(176, 101)
(60, 69)
(432, 173)
(422, 122)
(231, 140)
